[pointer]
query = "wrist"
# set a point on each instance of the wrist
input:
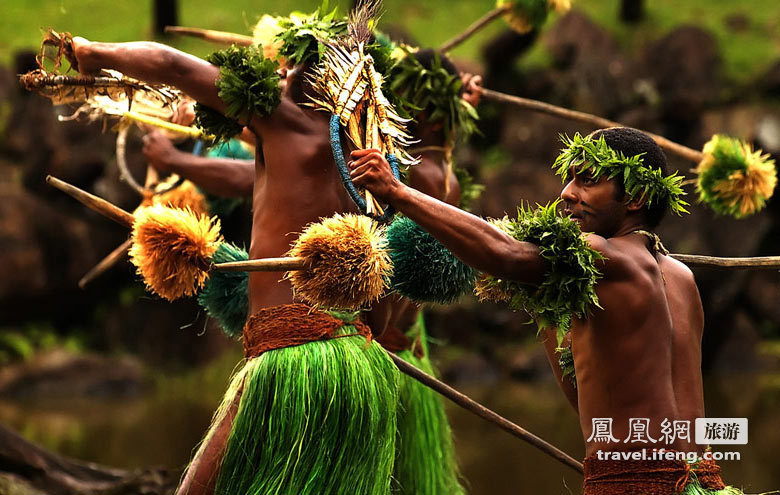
(396, 193)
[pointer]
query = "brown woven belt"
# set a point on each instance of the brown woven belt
(648, 477)
(394, 340)
(290, 325)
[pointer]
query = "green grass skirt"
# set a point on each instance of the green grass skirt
(694, 488)
(425, 462)
(318, 418)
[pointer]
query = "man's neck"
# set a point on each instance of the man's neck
(629, 227)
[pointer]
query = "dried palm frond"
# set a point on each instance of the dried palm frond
(65, 89)
(347, 84)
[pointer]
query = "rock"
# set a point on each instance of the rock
(685, 66)
(737, 22)
(593, 76)
(42, 249)
(59, 374)
(769, 83)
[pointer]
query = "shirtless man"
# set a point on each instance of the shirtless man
(432, 176)
(639, 357)
(296, 182)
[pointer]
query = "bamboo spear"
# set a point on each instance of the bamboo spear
(221, 37)
(292, 263)
(483, 412)
(475, 27)
(112, 259)
(542, 107)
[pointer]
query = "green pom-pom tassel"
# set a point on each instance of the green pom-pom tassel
(525, 15)
(226, 294)
(423, 269)
(733, 179)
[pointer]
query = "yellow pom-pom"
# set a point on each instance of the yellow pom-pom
(349, 265)
(265, 33)
(733, 179)
(559, 6)
(186, 195)
(172, 249)
(524, 15)
(518, 21)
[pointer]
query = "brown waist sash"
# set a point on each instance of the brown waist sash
(289, 325)
(648, 477)
(394, 340)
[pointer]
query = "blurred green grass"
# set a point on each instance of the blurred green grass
(746, 52)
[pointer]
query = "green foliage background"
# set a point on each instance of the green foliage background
(746, 52)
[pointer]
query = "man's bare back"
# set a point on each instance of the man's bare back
(640, 356)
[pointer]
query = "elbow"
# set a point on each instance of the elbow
(516, 261)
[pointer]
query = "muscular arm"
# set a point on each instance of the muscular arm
(220, 176)
(471, 239)
(431, 178)
(153, 63)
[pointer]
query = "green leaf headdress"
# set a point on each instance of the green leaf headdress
(418, 88)
(596, 157)
(303, 36)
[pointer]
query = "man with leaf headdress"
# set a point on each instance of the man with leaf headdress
(427, 87)
(633, 314)
(305, 418)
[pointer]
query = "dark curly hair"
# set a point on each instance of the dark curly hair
(632, 142)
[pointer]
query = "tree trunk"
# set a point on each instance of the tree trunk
(165, 14)
(632, 11)
(26, 468)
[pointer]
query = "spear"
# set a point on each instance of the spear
(112, 259)
(221, 37)
(483, 412)
(732, 178)
(594, 120)
(475, 27)
(296, 263)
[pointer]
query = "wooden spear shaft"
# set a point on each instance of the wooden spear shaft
(483, 412)
(263, 265)
(221, 37)
(755, 262)
(542, 107)
(91, 201)
(112, 259)
(474, 28)
(291, 263)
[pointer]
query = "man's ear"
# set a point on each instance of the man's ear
(636, 204)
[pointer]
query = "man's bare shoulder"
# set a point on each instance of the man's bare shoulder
(678, 270)
(623, 256)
